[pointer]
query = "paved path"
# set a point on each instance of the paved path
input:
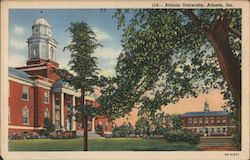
(218, 143)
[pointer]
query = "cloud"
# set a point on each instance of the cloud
(17, 43)
(19, 29)
(107, 72)
(17, 60)
(101, 35)
(107, 53)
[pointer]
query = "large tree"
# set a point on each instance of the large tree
(85, 71)
(171, 54)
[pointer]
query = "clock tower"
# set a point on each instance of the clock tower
(41, 45)
(41, 52)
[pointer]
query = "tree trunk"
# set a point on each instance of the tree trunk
(219, 37)
(85, 125)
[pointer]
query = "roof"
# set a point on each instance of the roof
(19, 74)
(42, 21)
(213, 113)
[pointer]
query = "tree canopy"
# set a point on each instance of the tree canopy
(85, 71)
(171, 54)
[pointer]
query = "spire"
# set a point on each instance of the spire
(41, 12)
(206, 107)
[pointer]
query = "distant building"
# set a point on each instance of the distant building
(36, 92)
(208, 122)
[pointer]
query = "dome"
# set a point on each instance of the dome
(42, 21)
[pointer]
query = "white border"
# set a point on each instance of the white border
(132, 155)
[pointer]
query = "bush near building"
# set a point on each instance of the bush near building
(123, 131)
(181, 136)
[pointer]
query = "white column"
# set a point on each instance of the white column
(93, 124)
(73, 117)
(53, 109)
(62, 110)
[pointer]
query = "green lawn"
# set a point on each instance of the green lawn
(108, 144)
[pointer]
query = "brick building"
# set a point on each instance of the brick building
(208, 123)
(36, 92)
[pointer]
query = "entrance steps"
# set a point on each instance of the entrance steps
(217, 143)
(91, 135)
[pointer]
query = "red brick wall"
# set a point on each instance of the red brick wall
(51, 74)
(41, 106)
(228, 121)
(17, 104)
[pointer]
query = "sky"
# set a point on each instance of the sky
(101, 21)
(105, 27)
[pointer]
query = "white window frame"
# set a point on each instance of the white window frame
(25, 113)
(46, 97)
(46, 114)
(25, 90)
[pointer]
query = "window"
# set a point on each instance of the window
(57, 121)
(200, 121)
(206, 120)
(57, 102)
(224, 120)
(51, 52)
(25, 94)
(58, 115)
(9, 114)
(46, 113)
(46, 97)
(106, 125)
(195, 121)
(69, 106)
(100, 123)
(218, 120)
(223, 130)
(190, 121)
(218, 130)
(25, 117)
(212, 130)
(212, 120)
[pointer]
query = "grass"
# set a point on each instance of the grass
(108, 144)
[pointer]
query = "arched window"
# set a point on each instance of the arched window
(51, 52)
(34, 51)
(25, 116)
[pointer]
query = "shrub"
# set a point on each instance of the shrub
(48, 126)
(183, 136)
(99, 128)
(123, 131)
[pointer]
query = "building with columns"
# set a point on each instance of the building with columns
(36, 92)
(208, 123)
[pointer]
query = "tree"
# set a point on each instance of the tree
(85, 71)
(171, 54)
(48, 126)
(142, 127)
(177, 121)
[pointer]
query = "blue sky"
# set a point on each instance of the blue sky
(101, 21)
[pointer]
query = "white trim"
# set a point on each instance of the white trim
(21, 81)
(43, 84)
(209, 127)
(20, 127)
(107, 132)
(32, 69)
(23, 127)
(71, 92)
